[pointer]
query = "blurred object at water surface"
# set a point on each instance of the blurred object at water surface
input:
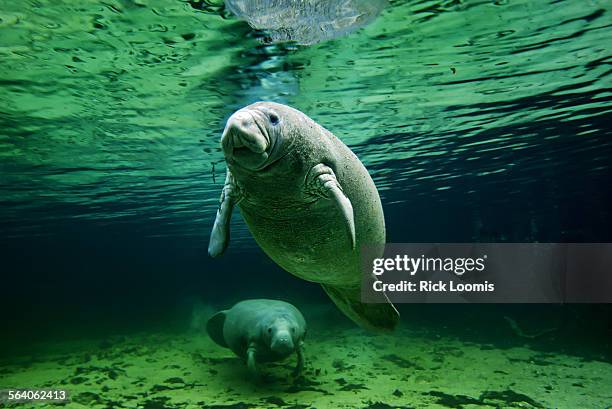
(305, 22)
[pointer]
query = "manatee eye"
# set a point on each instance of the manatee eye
(270, 330)
(274, 119)
(293, 330)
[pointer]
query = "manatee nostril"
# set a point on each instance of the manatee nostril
(283, 344)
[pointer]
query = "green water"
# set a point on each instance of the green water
(123, 102)
(479, 120)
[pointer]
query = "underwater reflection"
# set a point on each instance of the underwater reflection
(305, 22)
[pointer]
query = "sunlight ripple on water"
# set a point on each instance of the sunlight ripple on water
(114, 110)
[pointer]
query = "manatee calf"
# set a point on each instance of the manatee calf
(307, 200)
(260, 331)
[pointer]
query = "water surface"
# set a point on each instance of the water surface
(112, 112)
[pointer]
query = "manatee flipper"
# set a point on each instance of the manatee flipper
(214, 327)
(251, 360)
(326, 185)
(377, 317)
(300, 359)
(220, 235)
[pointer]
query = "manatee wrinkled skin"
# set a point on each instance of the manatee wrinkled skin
(260, 330)
(308, 21)
(308, 201)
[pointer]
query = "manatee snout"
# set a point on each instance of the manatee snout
(282, 342)
(245, 139)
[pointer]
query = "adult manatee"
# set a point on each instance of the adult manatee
(308, 201)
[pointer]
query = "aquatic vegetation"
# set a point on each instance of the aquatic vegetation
(172, 375)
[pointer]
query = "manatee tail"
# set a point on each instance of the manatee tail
(214, 327)
(376, 317)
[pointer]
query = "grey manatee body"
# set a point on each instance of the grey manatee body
(307, 200)
(260, 330)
